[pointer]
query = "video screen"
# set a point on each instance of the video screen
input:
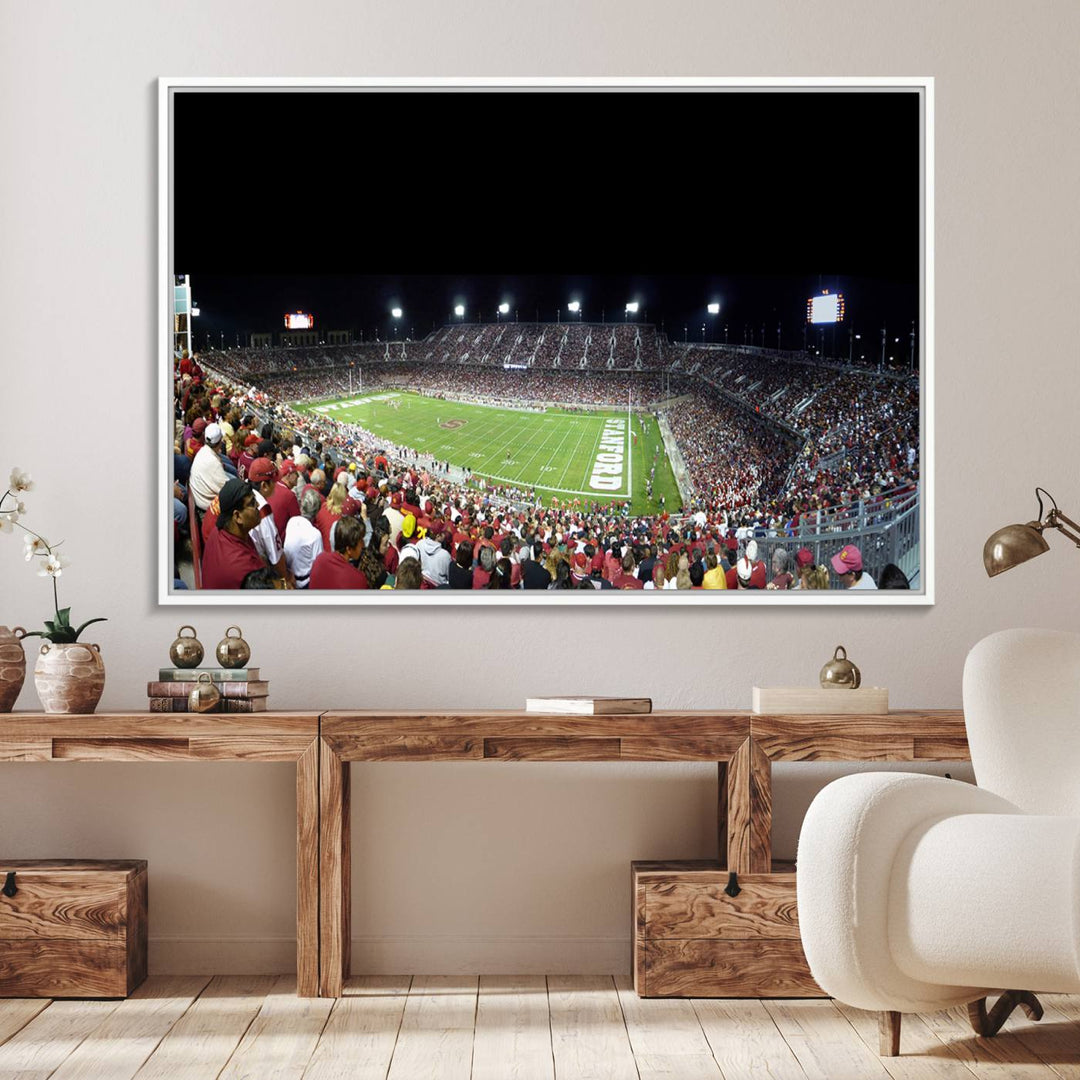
(828, 308)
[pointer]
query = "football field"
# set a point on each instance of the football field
(601, 455)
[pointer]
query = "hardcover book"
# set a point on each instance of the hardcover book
(217, 674)
(225, 689)
(588, 706)
(229, 705)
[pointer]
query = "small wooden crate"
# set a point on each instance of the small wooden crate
(72, 928)
(691, 939)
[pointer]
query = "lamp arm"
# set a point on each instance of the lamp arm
(1055, 519)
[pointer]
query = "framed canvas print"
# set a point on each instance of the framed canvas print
(562, 341)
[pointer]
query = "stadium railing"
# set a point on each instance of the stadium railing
(883, 534)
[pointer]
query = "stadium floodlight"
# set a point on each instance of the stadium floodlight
(396, 312)
(632, 307)
(504, 309)
(574, 306)
(459, 310)
(714, 309)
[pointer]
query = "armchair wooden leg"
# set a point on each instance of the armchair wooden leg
(889, 1033)
(989, 1024)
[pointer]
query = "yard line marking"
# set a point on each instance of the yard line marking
(543, 443)
(500, 445)
(573, 454)
(566, 435)
(496, 437)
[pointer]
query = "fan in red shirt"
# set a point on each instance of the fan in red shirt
(627, 580)
(230, 555)
(749, 572)
(283, 501)
(334, 569)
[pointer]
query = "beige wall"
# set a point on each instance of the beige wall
(495, 867)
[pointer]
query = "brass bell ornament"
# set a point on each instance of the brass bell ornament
(840, 673)
(186, 652)
(233, 652)
(204, 696)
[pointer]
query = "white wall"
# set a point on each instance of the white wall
(495, 867)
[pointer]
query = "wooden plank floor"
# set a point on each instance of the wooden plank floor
(523, 1027)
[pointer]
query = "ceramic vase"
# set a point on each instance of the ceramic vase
(12, 666)
(69, 678)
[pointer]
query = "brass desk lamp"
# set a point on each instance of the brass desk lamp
(1014, 544)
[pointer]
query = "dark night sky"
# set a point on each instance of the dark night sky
(346, 203)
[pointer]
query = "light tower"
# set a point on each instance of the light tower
(183, 312)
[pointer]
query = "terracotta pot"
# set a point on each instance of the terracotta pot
(12, 666)
(69, 678)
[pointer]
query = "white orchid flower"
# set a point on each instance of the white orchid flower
(34, 545)
(20, 481)
(8, 519)
(53, 566)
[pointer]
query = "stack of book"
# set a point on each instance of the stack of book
(241, 689)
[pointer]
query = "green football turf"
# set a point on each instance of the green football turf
(554, 452)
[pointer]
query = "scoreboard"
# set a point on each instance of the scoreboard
(299, 320)
(825, 309)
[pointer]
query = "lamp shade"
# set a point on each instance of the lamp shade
(1013, 545)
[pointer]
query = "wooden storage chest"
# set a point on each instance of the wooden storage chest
(71, 928)
(692, 939)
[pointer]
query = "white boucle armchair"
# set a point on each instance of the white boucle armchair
(917, 893)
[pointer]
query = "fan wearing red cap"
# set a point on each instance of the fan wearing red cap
(263, 478)
(284, 501)
(847, 564)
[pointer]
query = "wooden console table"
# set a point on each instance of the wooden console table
(722, 737)
(260, 737)
(742, 744)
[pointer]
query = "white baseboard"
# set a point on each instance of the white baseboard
(428, 954)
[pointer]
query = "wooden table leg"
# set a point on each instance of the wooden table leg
(307, 872)
(749, 810)
(334, 872)
(722, 813)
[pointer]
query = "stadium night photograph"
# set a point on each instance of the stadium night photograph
(530, 348)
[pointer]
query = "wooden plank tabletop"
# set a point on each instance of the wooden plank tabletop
(509, 735)
(706, 735)
(135, 724)
(899, 735)
(145, 736)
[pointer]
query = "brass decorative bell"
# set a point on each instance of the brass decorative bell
(233, 652)
(204, 696)
(840, 673)
(186, 651)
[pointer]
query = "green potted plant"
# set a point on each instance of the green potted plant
(69, 674)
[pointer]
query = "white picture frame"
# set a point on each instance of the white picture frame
(167, 156)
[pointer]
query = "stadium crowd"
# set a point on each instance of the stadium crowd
(248, 457)
(527, 386)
